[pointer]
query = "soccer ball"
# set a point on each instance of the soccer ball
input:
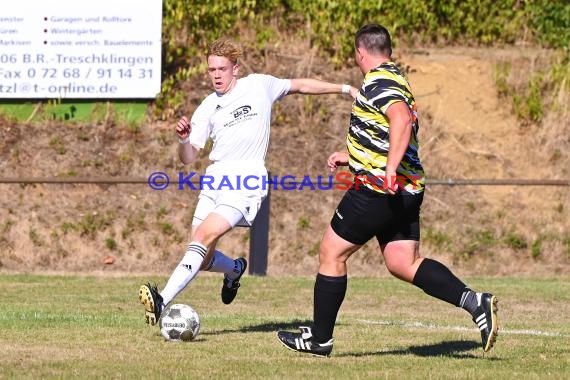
(179, 322)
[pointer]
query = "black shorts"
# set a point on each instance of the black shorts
(363, 214)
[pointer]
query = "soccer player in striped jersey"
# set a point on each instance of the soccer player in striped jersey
(383, 203)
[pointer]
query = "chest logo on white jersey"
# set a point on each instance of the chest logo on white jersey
(240, 115)
(241, 111)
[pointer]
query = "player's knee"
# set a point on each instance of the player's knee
(403, 272)
(205, 236)
(331, 257)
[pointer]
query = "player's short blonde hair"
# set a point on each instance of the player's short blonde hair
(225, 47)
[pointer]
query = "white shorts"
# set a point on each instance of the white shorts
(238, 205)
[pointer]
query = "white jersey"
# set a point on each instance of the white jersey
(238, 122)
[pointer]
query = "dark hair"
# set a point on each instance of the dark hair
(375, 39)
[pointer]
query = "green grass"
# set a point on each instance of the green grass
(92, 328)
(78, 111)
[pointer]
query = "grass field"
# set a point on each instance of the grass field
(78, 111)
(92, 327)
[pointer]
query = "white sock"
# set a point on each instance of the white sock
(186, 270)
(221, 263)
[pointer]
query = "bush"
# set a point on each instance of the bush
(189, 25)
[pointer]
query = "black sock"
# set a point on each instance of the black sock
(328, 296)
(436, 280)
(469, 301)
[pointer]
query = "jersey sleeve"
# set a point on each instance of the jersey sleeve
(276, 87)
(384, 92)
(201, 126)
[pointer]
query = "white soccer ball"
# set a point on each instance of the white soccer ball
(179, 322)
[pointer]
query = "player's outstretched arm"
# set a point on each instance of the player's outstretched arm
(311, 86)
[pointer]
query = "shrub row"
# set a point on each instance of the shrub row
(189, 25)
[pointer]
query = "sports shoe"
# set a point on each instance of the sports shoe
(303, 342)
(230, 287)
(485, 316)
(152, 301)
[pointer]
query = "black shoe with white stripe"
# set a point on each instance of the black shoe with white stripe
(303, 342)
(485, 316)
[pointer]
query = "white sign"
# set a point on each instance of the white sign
(70, 49)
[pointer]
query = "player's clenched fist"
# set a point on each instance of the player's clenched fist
(337, 159)
(183, 127)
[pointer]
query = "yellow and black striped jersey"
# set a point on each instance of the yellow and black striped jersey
(368, 137)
